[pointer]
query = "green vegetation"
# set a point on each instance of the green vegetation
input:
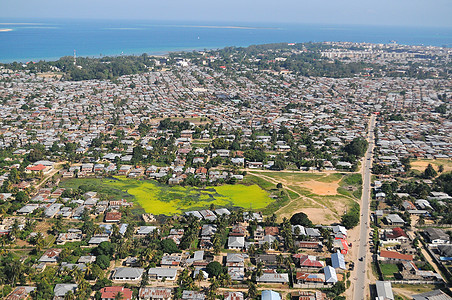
(357, 147)
(353, 179)
(301, 219)
(158, 199)
(351, 218)
(389, 270)
(416, 289)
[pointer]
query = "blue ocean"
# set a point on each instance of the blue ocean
(33, 40)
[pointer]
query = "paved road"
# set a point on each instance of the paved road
(360, 283)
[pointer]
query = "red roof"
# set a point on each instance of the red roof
(36, 168)
(344, 244)
(271, 230)
(395, 255)
(397, 232)
(305, 261)
(110, 292)
(201, 170)
(113, 216)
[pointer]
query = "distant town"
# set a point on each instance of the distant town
(282, 171)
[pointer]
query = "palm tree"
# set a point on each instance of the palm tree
(15, 228)
(88, 270)
(77, 274)
(39, 241)
(226, 280)
(251, 250)
(69, 296)
(252, 291)
(147, 255)
(275, 245)
(265, 246)
(199, 277)
(280, 259)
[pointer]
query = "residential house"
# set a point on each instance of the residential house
(393, 257)
(236, 242)
(155, 293)
(145, 230)
(159, 273)
(338, 261)
(20, 293)
(436, 236)
(396, 235)
(271, 276)
(127, 274)
(192, 295)
(110, 292)
(394, 220)
(170, 260)
(50, 256)
(330, 275)
(113, 216)
(233, 296)
(62, 289)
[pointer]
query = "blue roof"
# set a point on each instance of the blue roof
(270, 295)
(123, 228)
(330, 274)
(338, 260)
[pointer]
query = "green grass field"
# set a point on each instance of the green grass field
(158, 199)
(388, 270)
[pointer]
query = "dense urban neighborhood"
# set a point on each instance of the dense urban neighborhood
(283, 171)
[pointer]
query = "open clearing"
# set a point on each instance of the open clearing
(323, 197)
(421, 164)
(158, 199)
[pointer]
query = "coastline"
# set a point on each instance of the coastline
(157, 53)
(99, 38)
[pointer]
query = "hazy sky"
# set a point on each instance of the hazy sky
(381, 12)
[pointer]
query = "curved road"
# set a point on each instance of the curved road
(360, 273)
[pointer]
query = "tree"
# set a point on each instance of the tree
(357, 147)
(301, 219)
(104, 248)
(351, 218)
(430, 172)
(441, 168)
(199, 277)
(21, 196)
(252, 290)
(103, 261)
(214, 268)
(169, 246)
(69, 296)
(279, 185)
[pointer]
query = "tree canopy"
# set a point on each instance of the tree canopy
(301, 219)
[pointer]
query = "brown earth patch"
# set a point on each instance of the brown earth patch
(420, 165)
(321, 188)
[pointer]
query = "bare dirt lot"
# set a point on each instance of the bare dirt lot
(316, 195)
(321, 188)
(420, 165)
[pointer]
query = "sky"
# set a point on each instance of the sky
(419, 13)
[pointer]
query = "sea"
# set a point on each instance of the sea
(50, 39)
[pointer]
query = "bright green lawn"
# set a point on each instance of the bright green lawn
(388, 270)
(158, 199)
